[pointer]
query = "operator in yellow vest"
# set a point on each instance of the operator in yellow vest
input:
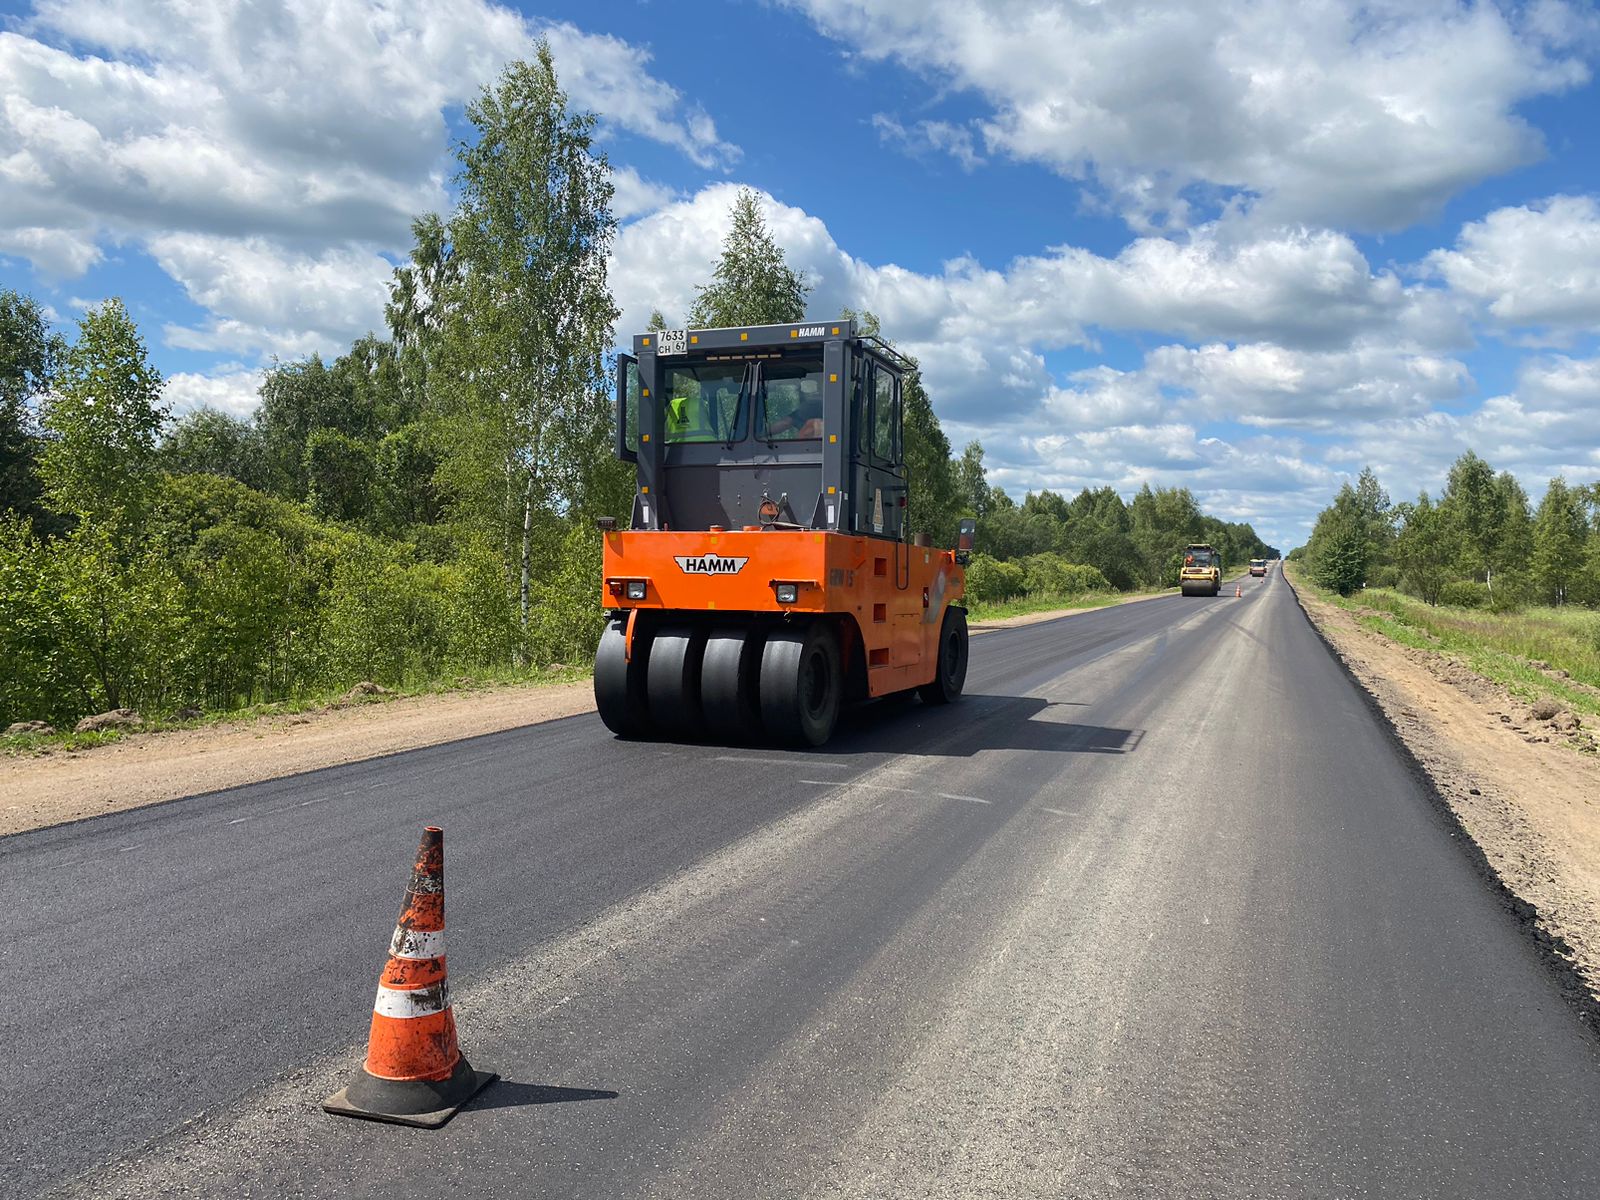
(687, 419)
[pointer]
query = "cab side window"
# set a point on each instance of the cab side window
(885, 416)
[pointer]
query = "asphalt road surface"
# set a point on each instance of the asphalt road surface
(1157, 910)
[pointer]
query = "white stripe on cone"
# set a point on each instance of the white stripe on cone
(416, 943)
(419, 1002)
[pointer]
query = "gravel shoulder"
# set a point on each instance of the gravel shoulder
(1529, 800)
(151, 768)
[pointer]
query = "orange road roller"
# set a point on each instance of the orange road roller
(767, 578)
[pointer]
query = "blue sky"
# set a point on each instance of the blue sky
(1243, 248)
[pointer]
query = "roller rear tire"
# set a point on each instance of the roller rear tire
(672, 681)
(950, 673)
(801, 684)
(619, 685)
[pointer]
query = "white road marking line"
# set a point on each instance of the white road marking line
(125, 849)
(889, 787)
(780, 762)
(1060, 812)
(240, 820)
(821, 782)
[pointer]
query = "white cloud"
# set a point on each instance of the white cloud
(1293, 334)
(278, 301)
(266, 154)
(941, 136)
(58, 253)
(1545, 427)
(1330, 111)
(232, 389)
(1531, 266)
(608, 75)
(635, 196)
(981, 332)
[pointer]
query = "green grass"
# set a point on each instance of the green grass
(1026, 605)
(1499, 646)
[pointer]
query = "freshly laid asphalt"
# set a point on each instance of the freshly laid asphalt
(1157, 910)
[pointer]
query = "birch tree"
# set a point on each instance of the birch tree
(516, 287)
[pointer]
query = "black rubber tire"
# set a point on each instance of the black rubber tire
(730, 683)
(802, 684)
(950, 674)
(619, 692)
(672, 681)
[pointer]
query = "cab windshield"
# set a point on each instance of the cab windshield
(1197, 558)
(791, 400)
(705, 402)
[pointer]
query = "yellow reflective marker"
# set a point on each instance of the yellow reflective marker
(794, 333)
(832, 489)
(695, 340)
(644, 391)
(711, 603)
(645, 490)
(833, 378)
(833, 437)
(744, 337)
(644, 437)
(836, 329)
(644, 341)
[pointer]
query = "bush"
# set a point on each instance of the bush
(990, 581)
(1464, 593)
(1385, 576)
(1512, 592)
(1053, 575)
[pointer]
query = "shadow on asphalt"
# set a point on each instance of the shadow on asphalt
(905, 725)
(505, 1093)
(976, 723)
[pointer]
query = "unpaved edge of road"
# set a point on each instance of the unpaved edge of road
(1507, 855)
(146, 769)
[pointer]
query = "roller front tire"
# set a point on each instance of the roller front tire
(619, 685)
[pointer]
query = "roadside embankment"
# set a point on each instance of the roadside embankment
(1520, 777)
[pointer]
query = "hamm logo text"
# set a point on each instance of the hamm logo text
(710, 564)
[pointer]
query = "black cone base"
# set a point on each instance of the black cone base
(427, 1104)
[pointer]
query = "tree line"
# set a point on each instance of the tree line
(421, 506)
(1480, 544)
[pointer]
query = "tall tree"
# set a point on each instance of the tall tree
(1559, 534)
(212, 442)
(1471, 504)
(753, 283)
(1377, 516)
(105, 414)
(526, 314)
(1337, 552)
(29, 354)
(972, 481)
(1512, 551)
(1424, 548)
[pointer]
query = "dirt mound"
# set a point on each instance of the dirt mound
(29, 727)
(117, 718)
(363, 689)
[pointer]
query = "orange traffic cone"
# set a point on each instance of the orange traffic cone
(415, 1074)
(1238, 591)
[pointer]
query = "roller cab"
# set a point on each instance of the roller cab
(1201, 573)
(768, 579)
